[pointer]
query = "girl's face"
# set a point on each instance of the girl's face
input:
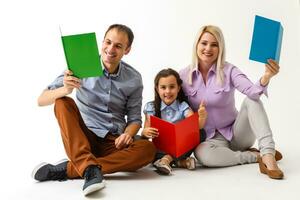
(207, 49)
(168, 89)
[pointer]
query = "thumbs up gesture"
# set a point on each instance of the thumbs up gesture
(202, 114)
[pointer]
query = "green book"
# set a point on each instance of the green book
(82, 55)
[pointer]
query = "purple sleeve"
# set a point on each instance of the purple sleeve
(241, 82)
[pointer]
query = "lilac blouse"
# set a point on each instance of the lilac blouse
(219, 99)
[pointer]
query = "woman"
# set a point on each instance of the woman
(230, 133)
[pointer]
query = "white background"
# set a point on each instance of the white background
(31, 56)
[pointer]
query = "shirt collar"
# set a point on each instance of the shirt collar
(212, 69)
(174, 105)
(107, 74)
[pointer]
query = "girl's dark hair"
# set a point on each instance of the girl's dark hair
(157, 100)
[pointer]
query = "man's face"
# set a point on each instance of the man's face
(114, 46)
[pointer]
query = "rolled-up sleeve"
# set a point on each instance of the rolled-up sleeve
(149, 109)
(134, 105)
(184, 108)
(57, 83)
(263, 88)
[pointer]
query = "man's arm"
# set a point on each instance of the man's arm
(48, 97)
(70, 82)
(126, 138)
(132, 129)
(134, 118)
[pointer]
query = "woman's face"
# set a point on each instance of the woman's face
(207, 49)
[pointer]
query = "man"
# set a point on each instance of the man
(97, 138)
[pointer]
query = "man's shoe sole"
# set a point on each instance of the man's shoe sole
(39, 166)
(93, 188)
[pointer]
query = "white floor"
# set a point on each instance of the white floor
(38, 139)
(238, 182)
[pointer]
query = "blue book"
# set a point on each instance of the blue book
(266, 40)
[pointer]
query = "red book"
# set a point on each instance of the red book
(176, 139)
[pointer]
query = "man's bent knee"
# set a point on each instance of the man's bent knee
(147, 150)
(63, 103)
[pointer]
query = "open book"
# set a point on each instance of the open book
(266, 40)
(176, 139)
(82, 55)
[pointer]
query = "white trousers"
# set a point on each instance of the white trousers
(251, 123)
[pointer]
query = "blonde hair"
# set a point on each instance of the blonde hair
(217, 33)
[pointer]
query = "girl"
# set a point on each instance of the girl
(170, 105)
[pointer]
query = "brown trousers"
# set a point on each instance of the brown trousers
(85, 148)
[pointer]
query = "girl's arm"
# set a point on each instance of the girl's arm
(149, 132)
(189, 113)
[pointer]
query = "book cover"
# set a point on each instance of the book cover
(176, 139)
(266, 40)
(82, 56)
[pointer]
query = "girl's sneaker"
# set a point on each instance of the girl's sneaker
(162, 167)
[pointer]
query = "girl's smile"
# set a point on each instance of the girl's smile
(168, 89)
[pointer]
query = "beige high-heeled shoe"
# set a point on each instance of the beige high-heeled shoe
(275, 174)
(278, 155)
(188, 163)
